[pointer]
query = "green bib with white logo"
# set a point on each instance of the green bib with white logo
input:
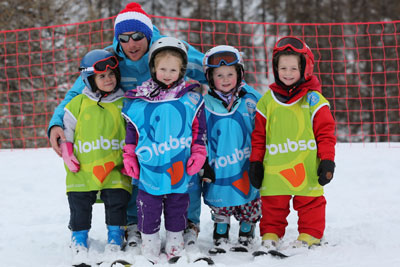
(290, 161)
(98, 142)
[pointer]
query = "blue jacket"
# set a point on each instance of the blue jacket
(229, 148)
(133, 73)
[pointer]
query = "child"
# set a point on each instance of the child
(230, 111)
(293, 147)
(164, 146)
(95, 132)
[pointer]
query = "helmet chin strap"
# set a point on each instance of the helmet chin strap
(103, 94)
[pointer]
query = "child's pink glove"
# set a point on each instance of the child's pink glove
(131, 165)
(67, 153)
(196, 159)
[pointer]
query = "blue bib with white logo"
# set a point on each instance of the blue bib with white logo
(229, 148)
(165, 137)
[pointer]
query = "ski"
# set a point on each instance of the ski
(216, 250)
(278, 254)
(239, 249)
(272, 252)
(174, 259)
(82, 265)
(194, 254)
(208, 260)
(120, 262)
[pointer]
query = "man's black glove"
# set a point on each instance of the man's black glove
(256, 173)
(207, 173)
(325, 171)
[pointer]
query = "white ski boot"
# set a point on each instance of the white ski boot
(132, 235)
(190, 234)
(151, 246)
(174, 246)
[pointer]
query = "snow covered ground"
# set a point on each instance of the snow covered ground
(363, 214)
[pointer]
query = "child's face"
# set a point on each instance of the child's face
(289, 69)
(168, 69)
(106, 81)
(225, 78)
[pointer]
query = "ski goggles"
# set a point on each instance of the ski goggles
(136, 36)
(227, 58)
(293, 43)
(102, 65)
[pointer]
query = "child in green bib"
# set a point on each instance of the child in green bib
(95, 132)
(293, 148)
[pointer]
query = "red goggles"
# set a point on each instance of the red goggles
(293, 43)
(222, 58)
(101, 66)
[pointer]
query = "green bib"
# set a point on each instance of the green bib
(290, 161)
(98, 142)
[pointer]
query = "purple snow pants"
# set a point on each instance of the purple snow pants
(150, 207)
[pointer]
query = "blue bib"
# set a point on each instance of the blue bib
(229, 148)
(165, 137)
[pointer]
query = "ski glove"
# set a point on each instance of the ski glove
(207, 174)
(256, 173)
(325, 171)
(196, 159)
(67, 153)
(131, 165)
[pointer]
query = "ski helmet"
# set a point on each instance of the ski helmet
(222, 55)
(167, 43)
(98, 61)
(296, 45)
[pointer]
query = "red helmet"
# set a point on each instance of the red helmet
(297, 45)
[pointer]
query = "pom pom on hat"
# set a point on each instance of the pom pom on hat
(133, 19)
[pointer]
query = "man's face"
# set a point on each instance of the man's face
(134, 50)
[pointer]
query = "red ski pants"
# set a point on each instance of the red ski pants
(311, 212)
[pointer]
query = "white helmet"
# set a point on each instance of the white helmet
(169, 43)
(219, 56)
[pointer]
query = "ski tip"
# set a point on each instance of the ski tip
(239, 249)
(259, 253)
(206, 259)
(278, 254)
(216, 251)
(174, 259)
(118, 263)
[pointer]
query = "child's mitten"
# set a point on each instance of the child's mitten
(196, 159)
(325, 171)
(208, 174)
(256, 173)
(131, 165)
(67, 153)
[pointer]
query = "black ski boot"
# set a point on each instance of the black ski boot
(221, 238)
(246, 237)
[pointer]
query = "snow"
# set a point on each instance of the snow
(363, 214)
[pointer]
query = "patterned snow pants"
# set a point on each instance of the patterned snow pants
(249, 212)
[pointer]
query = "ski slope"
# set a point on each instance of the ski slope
(363, 214)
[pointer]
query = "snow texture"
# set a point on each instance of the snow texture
(363, 214)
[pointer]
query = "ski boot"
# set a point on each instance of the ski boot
(269, 241)
(151, 246)
(246, 237)
(115, 238)
(306, 240)
(190, 234)
(132, 235)
(79, 248)
(174, 246)
(221, 238)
